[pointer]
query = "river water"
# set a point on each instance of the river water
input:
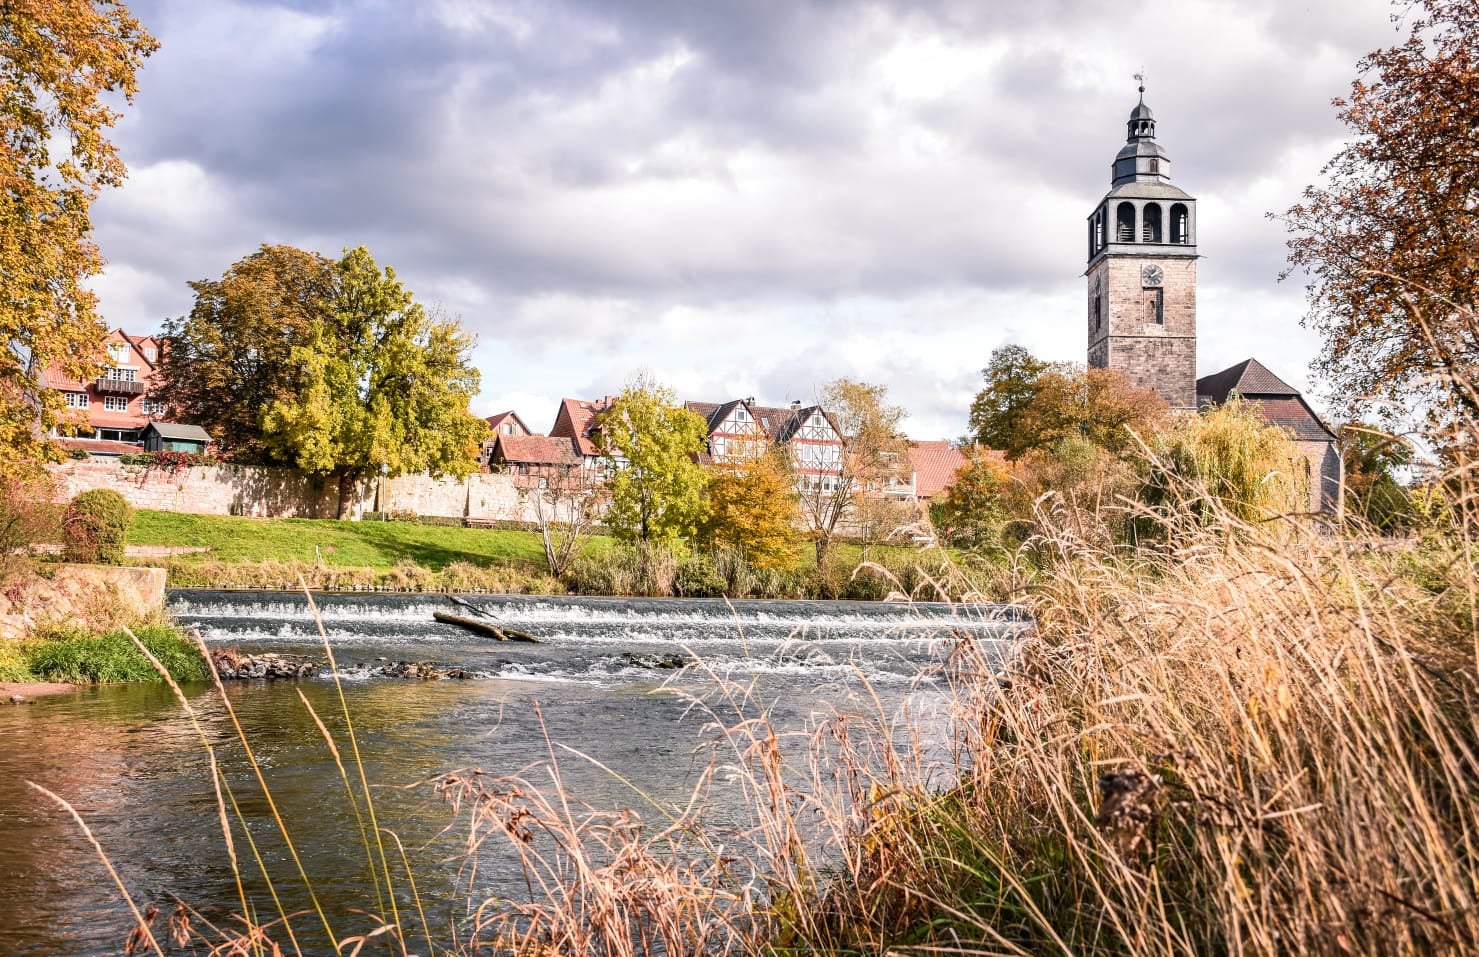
(601, 682)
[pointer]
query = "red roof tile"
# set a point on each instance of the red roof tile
(535, 450)
(935, 463)
(574, 421)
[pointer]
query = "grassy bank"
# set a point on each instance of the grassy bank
(404, 556)
(81, 656)
(380, 546)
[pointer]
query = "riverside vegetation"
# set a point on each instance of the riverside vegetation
(1242, 734)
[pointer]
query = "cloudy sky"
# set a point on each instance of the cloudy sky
(745, 198)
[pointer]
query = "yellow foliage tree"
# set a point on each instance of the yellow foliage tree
(58, 60)
(753, 509)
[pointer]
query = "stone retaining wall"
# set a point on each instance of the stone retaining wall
(269, 492)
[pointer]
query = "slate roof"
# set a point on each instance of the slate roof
(1276, 400)
(536, 450)
(173, 430)
(935, 463)
(1248, 378)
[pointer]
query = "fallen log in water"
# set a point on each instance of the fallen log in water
(483, 627)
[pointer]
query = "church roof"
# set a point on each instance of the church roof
(1248, 378)
(1147, 190)
(1278, 402)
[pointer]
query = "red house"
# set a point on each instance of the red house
(112, 407)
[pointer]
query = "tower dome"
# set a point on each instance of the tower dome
(1141, 159)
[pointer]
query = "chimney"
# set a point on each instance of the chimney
(795, 404)
(749, 400)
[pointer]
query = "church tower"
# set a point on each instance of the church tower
(1142, 275)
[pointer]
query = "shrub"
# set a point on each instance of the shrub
(77, 655)
(699, 578)
(28, 515)
(95, 527)
(13, 666)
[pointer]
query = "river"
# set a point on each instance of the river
(132, 762)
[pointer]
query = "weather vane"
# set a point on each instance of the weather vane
(1141, 77)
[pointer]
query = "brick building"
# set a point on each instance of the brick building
(1142, 306)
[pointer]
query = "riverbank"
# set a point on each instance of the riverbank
(404, 556)
(19, 692)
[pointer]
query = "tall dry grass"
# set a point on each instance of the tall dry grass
(1249, 737)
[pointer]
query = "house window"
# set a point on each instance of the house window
(118, 351)
(121, 375)
(151, 353)
(115, 403)
(508, 428)
(76, 400)
(740, 415)
(153, 408)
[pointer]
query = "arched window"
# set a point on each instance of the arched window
(1124, 225)
(1180, 224)
(1150, 231)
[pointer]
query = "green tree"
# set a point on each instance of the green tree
(383, 386)
(59, 63)
(231, 357)
(1011, 383)
(1372, 492)
(1391, 241)
(753, 510)
(973, 513)
(1228, 459)
(651, 444)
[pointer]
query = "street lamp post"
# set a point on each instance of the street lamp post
(384, 505)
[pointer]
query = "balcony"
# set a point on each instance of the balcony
(120, 386)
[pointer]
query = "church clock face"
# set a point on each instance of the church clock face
(1151, 276)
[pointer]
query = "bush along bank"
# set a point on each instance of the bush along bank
(616, 571)
(78, 655)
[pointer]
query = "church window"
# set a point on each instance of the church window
(1125, 223)
(1098, 311)
(1151, 229)
(1180, 225)
(1155, 306)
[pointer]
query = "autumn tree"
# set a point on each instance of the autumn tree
(651, 444)
(63, 65)
(231, 357)
(1011, 377)
(1390, 241)
(1371, 459)
(1100, 405)
(382, 386)
(873, 450)
(753, 510)
(1029, 404)
(973, 512)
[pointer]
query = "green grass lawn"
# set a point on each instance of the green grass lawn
(378, 545)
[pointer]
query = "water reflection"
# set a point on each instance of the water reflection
(131, 761)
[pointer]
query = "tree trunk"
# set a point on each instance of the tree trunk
(824, 547)
(347, 486)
